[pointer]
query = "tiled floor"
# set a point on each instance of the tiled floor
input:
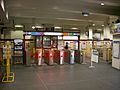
(65, 77)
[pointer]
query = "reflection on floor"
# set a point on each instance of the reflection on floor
(65, 77)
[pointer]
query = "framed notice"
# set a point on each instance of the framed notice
(116, 49)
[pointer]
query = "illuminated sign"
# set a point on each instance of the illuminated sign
(70, 34)
(52, 33)
(37, 33)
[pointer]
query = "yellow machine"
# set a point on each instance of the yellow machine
(8, 76)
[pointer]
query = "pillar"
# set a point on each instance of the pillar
(90, 33)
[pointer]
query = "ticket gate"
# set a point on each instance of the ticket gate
(39, 58)
(67, 56)
(72, 57)
(56, 56)
(48, 57)
(78, 56)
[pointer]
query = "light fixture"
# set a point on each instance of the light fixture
(18, 26)
(74, 28)
(33, 27)
(103, 25)
(102, 4)
(93, 24)
(58, 27)
(85, 14)
(38, 27)
(2, 5)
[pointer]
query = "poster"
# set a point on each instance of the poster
(116, 49)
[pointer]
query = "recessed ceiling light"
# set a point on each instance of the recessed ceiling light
(74, 28)
(85, 14)
(102, 4)
(93, 24)
(58, 27)
(18, 26)
(103, 25)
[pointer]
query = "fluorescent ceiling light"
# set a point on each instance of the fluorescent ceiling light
(18, 26)
(58, 27)
(93, 24)
(2, 5)
(74, 28)
(103, 25)
(102, 4)
(38, 27)
(33, 27)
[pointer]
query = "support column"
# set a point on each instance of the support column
(106, 33)
(90, 33)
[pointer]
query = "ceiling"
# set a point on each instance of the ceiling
(65, 13)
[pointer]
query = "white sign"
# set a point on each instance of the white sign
(116, 47)
(94, 57)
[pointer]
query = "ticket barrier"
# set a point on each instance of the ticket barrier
(48, 57)
(39, 58)
(67, 55)
(56, 56)
(72, 57)
(78, 56)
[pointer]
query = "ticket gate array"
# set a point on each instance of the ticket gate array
(60, 57)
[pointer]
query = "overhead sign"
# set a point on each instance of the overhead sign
(51, 33)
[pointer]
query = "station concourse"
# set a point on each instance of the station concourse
(59, 44)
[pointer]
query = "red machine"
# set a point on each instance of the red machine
(48, 57)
